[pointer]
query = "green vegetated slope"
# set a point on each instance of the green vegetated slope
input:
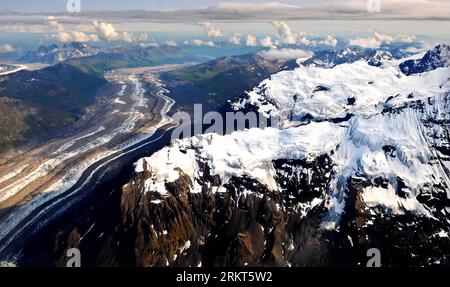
(132, 57)
(13, 118)
(34, 102)
(219, 80)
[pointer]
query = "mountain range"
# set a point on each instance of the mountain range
(35, 104)
(436, 58)
(331, 58)
(338, 178)
(54, 54)
(359, 160)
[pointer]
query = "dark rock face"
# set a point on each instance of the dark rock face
(233, 228)
(252, 225)
(433, 59)
(248, 224)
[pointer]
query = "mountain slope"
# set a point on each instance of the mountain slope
(34, 102)
(53, 54)
(356, 88)
(56, 96)
(318, 191)
(437, 58)
(332, 58)
(220, 80)
(131, 57)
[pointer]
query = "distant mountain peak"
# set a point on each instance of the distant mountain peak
(46, 49)
(438, 57)
(54, 54)
(75, 45)
(332, 58)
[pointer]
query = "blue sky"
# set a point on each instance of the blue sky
(34, 6)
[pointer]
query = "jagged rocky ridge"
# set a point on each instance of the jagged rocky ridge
(362, 162)
(332, 58)
(437, 58)
(54, 54)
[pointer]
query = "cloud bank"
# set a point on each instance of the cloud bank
(95, 31)
(339, 9)
(7, 48)
(200, 43)
(211, 31)
(285, 54)
(378, 39)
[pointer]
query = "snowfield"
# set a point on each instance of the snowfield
(249, 153)
(356, 88)
(391, 126)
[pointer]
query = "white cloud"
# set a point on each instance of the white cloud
(199, 43)
(329, 10)
(405, 38)
(250, 41)
(286, 54)
(205, 24)
(62, 35)
(74, 37)
(170, 43)
(151, 45)
(284, 33)
(243, 7)
(306, 42)
(127, 37)
(211, 31)
(413, 50)
(6, 48)
(55, 25)
(235, 39)
(378, 39)
(365, 43)
(383, 38)
(420, 9)
(105, 31)
(100, 31)
(83, 37)
(267, 42)
(287, 37)
(329, 41)
(23, 28)
(85, 28)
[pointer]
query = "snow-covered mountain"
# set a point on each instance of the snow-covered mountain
(54, 54)
(361, 161)
(357, 89)
(331, 58)
(436, 58)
